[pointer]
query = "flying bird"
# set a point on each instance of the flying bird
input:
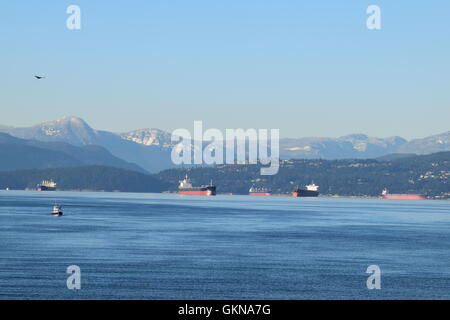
(39, 77)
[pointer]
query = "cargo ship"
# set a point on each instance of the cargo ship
(309, 191)
(386, 195)
(186, 188)
(254, 191)
(46, 185)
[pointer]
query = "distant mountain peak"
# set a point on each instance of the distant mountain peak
(69, 120)
(148, 137)
(72, 119)
(351, 146)
(71, 129)
(355, 136)
(431, 144)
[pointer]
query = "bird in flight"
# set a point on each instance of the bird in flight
(39, 77)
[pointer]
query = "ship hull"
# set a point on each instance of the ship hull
(44, 188)
(404, 197)
(206, 191)
(260, 194)
(305, 194)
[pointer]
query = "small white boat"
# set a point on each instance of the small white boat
(57, 211)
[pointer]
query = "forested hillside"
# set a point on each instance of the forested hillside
(95, 178)
(428, 175)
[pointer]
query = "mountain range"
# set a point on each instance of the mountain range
(150, 149)
(356, 146)
(77, 132)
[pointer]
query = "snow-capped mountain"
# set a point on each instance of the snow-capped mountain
(149, 137)
(72, 130)
(436, 143)
(77, 132)
(351, 146)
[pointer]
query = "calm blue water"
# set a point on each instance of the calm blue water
(165, 246)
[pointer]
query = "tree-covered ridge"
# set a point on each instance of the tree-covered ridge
(93, 178)
(427, 175)
(21, 154)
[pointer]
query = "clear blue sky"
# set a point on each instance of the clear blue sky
(310, 68)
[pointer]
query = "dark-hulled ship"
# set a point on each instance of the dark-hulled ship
(309, 191)
(186, 188)
(46, 185)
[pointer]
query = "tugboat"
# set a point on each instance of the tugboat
(386, 195)
(254, 191)
(309, 191)
(186, 188)
(46, 185)
(57, 211)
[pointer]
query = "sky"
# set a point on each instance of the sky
(308, 68)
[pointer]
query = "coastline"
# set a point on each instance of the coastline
(274, 195)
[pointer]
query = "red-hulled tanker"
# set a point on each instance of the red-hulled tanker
(254, 191)
(186, 188)
(386, 195)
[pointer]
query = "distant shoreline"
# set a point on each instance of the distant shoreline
(280, 195)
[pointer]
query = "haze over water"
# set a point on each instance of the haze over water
(166, 246)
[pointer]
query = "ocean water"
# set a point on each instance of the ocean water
(166, 246)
